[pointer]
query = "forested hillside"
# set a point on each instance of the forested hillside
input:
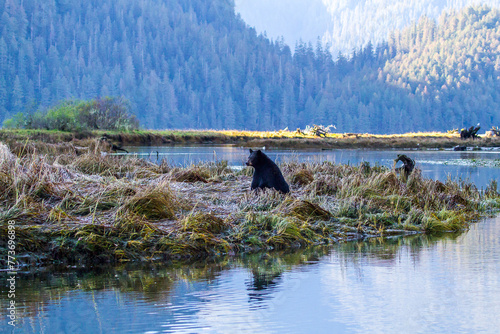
(195, 64)
(449, 71)
(430, 76)
(354, 23)
(181, 63)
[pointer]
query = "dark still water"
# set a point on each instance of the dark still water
(476, 166)
(415, 284)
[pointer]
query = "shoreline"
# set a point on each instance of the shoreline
(88, 208)
(279, 139)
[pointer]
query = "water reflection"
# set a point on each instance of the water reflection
(261, 287)
(447, 283)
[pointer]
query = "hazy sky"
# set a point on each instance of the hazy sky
(292, 19)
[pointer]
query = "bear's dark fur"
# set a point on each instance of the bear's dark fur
(267, 174)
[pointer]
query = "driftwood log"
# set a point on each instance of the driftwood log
(470, 132)
(316, 130)
(319, 131)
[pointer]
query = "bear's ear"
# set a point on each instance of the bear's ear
(251, 151)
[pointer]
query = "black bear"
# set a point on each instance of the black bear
(267, 174)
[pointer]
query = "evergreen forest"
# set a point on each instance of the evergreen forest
(196, 64)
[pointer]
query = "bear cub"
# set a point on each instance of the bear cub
(267, 174)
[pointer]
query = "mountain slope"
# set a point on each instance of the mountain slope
(430, 76)
(195, 64)
(182, 63)
(454, 67)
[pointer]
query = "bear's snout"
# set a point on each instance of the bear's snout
(248, 163)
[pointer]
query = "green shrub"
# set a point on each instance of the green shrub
(63, 117)
(107, 113)
(16, 122)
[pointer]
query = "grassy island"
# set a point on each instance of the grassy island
(72, 204)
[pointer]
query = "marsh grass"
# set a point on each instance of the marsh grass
(266, 200)
(95, 208)
(154, 202)
(302, 177)
(98, 164)
(261, 231)
(199, 233)
(304, 210)
(204, 222)
(192, 175)
(203, 172)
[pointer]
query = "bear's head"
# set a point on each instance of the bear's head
(254, 157)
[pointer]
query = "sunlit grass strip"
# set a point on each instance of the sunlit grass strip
(24, 142)
(294, 134)
(58, 136)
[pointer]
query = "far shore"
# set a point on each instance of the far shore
(274, 139)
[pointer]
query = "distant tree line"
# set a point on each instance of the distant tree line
(195, 64)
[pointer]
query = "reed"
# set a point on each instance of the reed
(154, 202)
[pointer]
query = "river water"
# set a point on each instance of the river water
(414, 284)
